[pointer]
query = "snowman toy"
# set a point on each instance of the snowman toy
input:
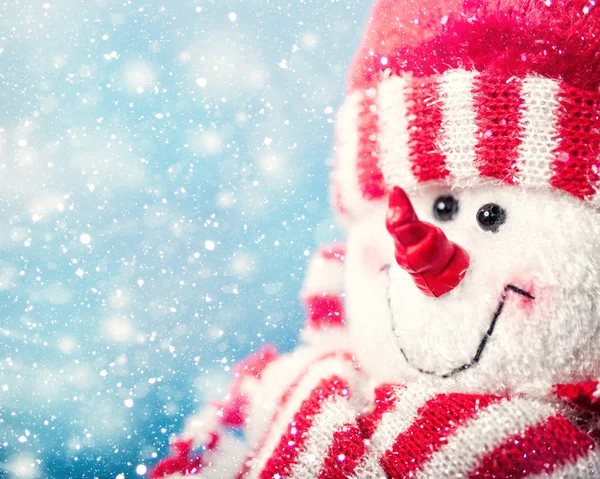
(456, 333)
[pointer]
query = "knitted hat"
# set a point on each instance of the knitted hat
(469, 91)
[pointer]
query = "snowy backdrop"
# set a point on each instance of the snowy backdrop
(163, 179)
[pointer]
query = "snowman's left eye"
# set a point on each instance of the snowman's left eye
(490, 217)
(445, 208)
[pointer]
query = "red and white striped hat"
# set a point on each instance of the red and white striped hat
(468, 91)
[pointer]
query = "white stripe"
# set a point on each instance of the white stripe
(480, 435)
(201, 425)
(370, 469)
(538, 121)
(347, 152)
(392, 423)
(224, 460)
(319, 371)
(335, 413)
(584, 468)
(323, 276)
(460, 130)
(393, 132)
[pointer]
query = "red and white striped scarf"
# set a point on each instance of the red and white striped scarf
(412, 430)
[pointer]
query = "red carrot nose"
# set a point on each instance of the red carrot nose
(436, 264)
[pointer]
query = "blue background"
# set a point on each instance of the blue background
(163, 179)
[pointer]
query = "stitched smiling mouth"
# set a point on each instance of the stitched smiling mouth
(484, 340)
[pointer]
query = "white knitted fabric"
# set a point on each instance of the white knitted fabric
(539, 126)
(393, 132)
(459, 138)
(467, 444)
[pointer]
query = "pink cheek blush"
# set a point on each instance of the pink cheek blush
(523, 302)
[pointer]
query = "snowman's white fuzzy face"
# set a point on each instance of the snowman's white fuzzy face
(525, 315)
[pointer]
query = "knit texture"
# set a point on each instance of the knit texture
(465, 128)
(557, 39)
(468, 92)
(412, 431)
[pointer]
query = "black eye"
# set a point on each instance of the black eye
(490, 217)
(445, 208)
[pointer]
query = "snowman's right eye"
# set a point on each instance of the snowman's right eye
(445, 208)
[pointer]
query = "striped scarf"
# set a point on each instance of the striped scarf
(318, 430)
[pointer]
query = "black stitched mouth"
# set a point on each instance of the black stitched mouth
(484, 340)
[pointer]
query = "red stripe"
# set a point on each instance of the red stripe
(254, 364)
(576, 164)
(334, 252)
(497, 102)
(344, 355)
(438, 418)
(424, 127)
(179, 462)
(540, 449)
(349, 443)
(323, 311)
(293, 442)
(347, 448)
(234, 408)
(385, 398)
(283, 400)
(337, 197)
(370, 177)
